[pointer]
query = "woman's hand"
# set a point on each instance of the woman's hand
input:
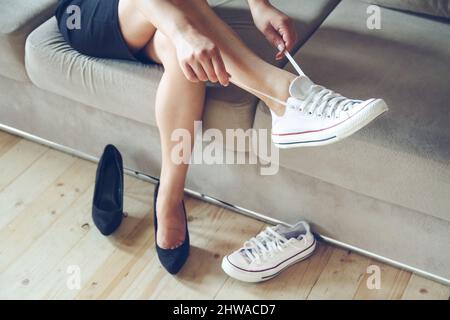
(277, 27)
(199, 58)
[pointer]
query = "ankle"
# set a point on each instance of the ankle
(283, 84)
(276, 108)
(281, 92)
(168, 201)
(166, 205)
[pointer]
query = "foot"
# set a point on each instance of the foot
(171, 221)
(270, 252)
(317, 116)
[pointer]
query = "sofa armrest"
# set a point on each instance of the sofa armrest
(17, 19)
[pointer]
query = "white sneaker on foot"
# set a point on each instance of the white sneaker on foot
(270, 252)
(317, 116)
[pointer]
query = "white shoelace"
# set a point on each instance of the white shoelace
(321, 101)
(264, 245)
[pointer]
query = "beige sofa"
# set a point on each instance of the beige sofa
(384, 191)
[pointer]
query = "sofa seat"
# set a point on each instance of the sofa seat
(17, 19)
(404, 156)
(128, 89)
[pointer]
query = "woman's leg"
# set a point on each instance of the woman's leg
(171, 113)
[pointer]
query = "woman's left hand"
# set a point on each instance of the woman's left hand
(277, 27)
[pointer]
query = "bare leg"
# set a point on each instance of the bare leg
(173, 113)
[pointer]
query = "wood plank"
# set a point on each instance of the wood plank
(214, 231)
(121, 266)
(295, 282)
(392, 283)
(420, 288)
(17, 159)
(37, 217)
(7, 141)
(341, 277)
(153, 278)
(41, 257)
(31, 183)
(134, 267)
(213, 236)
(46, 226)
(118, 272)
(90, 253)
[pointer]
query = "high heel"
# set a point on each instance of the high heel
(171, 259)
(107, 205)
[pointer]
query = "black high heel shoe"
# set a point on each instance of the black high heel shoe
(171, 259)
(107, 206)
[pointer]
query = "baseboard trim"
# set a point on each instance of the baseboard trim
(229, 206)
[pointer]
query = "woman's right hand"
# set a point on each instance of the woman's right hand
(200, 58)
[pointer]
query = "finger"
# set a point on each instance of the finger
(209, 69)
(199, 72)
(280, 54)
(220, 70)
(274, 37)
(288, 34)
(188, 72)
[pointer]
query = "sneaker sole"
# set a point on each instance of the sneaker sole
(358, 121)
(260, 276)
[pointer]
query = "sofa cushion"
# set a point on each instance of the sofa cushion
(404, 156)
(128, 88)
(17, 19)
(437, 8)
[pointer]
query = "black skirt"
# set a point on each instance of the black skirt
(99, 34)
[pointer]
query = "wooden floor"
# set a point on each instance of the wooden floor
(46, 233)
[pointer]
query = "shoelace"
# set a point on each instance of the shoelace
(321, 101)
(264, 245)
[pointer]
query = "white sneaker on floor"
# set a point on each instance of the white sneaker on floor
(270, 252)
(317, 116)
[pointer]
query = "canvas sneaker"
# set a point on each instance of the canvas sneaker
(270, 252)
(315, 115)
(318, 116)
